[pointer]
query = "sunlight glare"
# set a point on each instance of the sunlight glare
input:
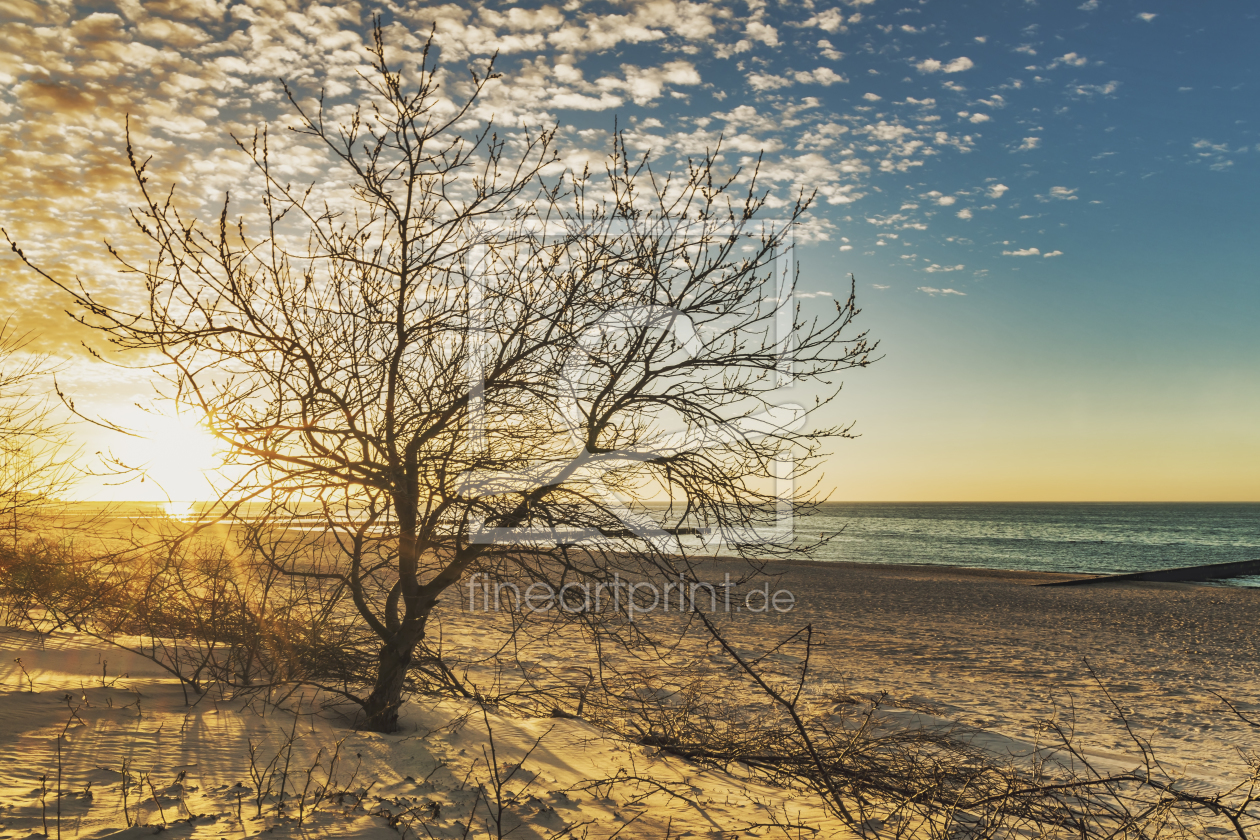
(178, 457)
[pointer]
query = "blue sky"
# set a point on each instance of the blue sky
(1049, 207)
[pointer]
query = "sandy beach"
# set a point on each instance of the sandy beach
(988, 649)
(996, 650)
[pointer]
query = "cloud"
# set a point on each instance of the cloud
(763, 32)
(1147, 16)
(878, 286)
(1028, 144)
(645, 84)
(1053, 254)
(1088, 6)
(997, 190)
(1022, 252)
(934, 268)
(581, 33)
(1063, 193)
(1214, 154)
(964, 213)
(963, 144)
(766, 81)
(872, 97)
(931, 65)
(830, 20)
(824, 76)
(1070, 59)
(828, 51)
(934, 292)
(517, 20)
(1095, 90)
(979, 118)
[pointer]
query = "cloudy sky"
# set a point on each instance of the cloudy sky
(1050, 207)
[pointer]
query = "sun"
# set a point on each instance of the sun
(177, 457)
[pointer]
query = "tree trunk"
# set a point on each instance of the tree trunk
(381, 706)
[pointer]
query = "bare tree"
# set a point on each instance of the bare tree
(462, 362)
(35, 451)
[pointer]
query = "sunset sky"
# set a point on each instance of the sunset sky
(1050, 207)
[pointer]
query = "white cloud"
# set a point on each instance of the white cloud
(1029, 144)
(1053, 254)
(763, 32)
(649, 22)
(1063, 193)
(829, 21)
(524, 20)
(645, 84)
(581, 102)
(963, 144)
(1210, 146)
(934, 292)
(1022, 252)
(878, 286)
(871, 97)
(828, 51)
(1071, 59)
(997, 190)
(1088, 6)
(1215, 154)
(931, 65)
(934, 268)
(946, 200)
(1092, 90)
(979, 118)
(765, 81)
(1147, 16)
(964, 213)
(846, 247)
(888, 132)
(824, 76)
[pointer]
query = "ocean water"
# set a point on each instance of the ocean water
(1088, 538)
(1084, 538)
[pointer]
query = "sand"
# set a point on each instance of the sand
(995, 650)
(988, 648)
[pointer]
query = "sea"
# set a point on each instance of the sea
(1071, 537)
(1085, 538)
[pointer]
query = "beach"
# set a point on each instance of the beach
(994, 649)
(983, 648)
